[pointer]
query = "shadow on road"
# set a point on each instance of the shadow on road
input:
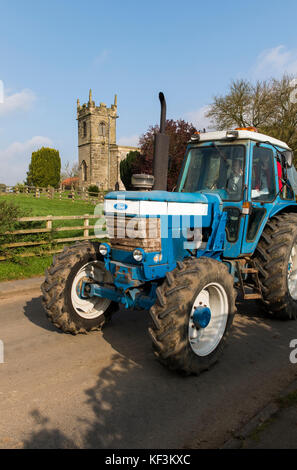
(47, 438)
(137, 403)
(35, 312)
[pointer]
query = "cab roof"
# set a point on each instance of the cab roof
(242, 135)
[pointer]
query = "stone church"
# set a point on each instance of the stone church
(98, 153)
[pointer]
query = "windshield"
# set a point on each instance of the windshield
(215, 168)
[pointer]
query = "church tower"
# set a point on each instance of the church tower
(97, 149)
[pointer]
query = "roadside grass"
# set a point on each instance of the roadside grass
(283, 402)
(256, 434)
(25, 267)
(288, 400)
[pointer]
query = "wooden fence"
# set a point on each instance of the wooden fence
(54, 193)
(85, 229)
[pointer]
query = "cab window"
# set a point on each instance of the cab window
(263, 176)
(215, 168)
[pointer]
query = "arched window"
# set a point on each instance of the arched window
(84, 171)
(102, 129)
(84, 129)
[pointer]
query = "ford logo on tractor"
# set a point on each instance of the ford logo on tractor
(120, 206)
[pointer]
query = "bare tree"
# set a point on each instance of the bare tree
(70, 170)
(265, 105)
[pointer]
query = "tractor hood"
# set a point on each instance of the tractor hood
(168, 223)
(159, 203)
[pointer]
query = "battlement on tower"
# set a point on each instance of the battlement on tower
(90, 107)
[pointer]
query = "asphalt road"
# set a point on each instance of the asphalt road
(106, 390)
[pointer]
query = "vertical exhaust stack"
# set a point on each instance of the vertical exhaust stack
(161, 151)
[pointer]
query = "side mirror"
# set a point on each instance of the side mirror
(288, 156)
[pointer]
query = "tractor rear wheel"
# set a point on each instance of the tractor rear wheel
(276, 260)
(192, 315)
(65, 309)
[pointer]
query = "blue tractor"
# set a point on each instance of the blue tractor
(229, 228)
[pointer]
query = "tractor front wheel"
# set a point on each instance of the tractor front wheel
(192, 315)
(65, 309)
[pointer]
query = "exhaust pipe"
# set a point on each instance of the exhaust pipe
(161, 151)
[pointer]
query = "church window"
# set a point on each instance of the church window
(84, 170)
(102, 129)
(84, 129)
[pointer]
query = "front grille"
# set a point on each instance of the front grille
(128, 233)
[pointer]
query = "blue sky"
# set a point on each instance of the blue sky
(53, 51)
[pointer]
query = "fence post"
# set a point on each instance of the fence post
(27, 190)
(60, 193)
(72, 193)
(49, 222)
(86, 225)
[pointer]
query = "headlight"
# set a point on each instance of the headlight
(138, 254)
(104, 249)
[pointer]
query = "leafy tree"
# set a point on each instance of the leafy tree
(9, 213)
(127, 168)
(45, 168)
(266, 105)
(180, 132)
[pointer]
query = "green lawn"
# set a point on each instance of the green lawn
(21, 268)
(44, 206)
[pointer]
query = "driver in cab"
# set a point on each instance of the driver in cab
(234, 183)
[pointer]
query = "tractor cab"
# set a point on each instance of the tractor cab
(251, 172)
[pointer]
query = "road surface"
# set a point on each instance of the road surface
(106, 390)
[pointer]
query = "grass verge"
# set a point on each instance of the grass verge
(24, 268)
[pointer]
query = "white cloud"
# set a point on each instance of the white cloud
(275, 62)
(15, 159)
(129, 141)
(198, 118)
(17, 101)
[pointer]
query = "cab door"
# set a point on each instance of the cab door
(262, 191)
(233, 208)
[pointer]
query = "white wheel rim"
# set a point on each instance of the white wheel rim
(204, 341)
(94, 307)
(292, 272)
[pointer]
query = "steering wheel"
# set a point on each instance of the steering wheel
(234, 188)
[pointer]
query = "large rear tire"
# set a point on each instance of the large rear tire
(178, 342)
(65, 309)
(276, 260)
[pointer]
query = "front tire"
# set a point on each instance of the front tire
(65, 309)
(179, 343)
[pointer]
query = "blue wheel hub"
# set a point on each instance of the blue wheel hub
(201, 317)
